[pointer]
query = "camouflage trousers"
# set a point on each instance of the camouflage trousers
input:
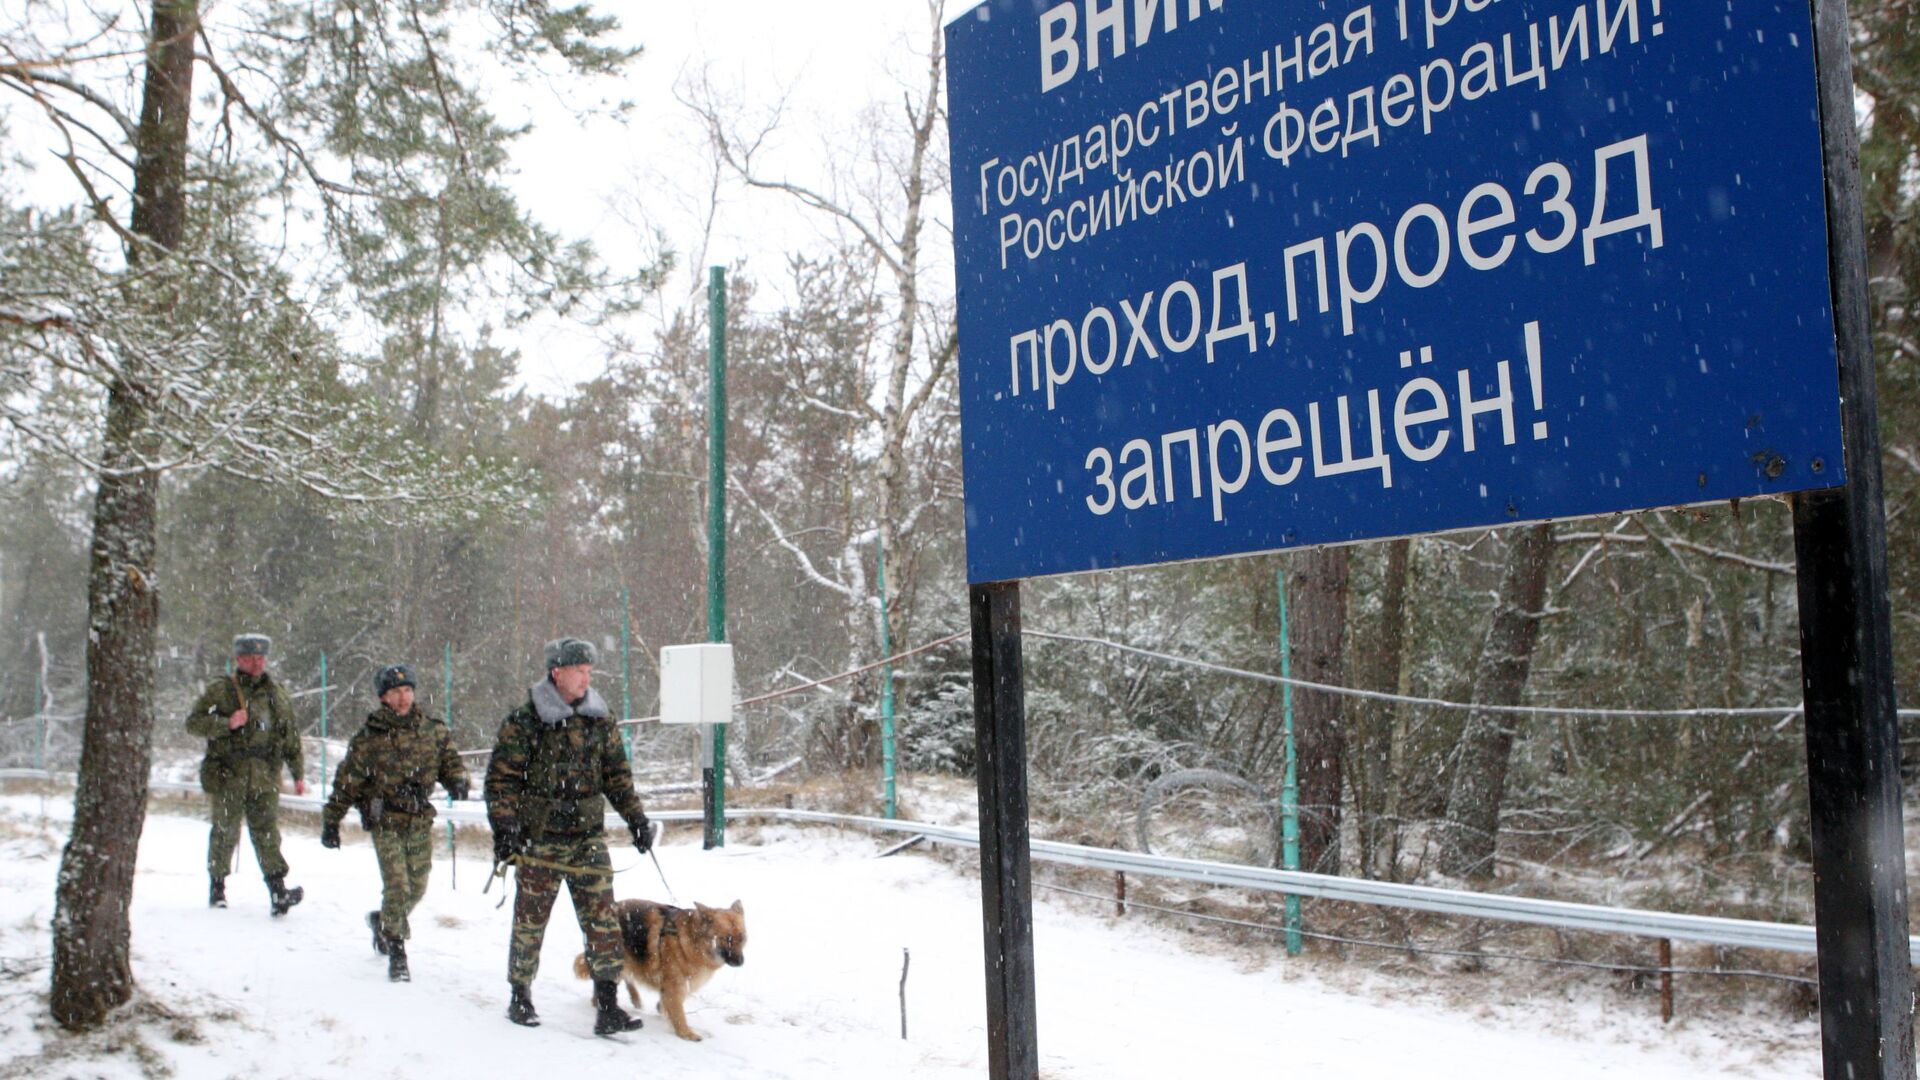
(261, 810)
(406, 858)
(591, 886)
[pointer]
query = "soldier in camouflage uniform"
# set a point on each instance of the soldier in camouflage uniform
(556, 766)
(248, 722)
(388, 775)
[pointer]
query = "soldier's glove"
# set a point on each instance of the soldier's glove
(506, 842)
(642, 830)
(458, 789)
(330, 834)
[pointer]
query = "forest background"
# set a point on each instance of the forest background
(406, 497)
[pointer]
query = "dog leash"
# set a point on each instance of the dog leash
(663, 876)
(547, 864)
(500, 870)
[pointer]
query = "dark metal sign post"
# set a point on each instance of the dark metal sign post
(1846, 651)
(1628, 276)
(1006, 889)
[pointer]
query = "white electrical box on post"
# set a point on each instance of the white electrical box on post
(696, 684)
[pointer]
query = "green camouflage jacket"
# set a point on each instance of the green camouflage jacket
(248, 759)
(556, 767)
(391, 765)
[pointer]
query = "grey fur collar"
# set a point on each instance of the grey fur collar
(553, 712)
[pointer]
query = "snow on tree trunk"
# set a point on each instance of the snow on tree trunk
(1470, 831)
(91, 932)
(898, 413)
(1317, 588)
(92, 972)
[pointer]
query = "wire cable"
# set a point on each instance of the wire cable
(1438, 703)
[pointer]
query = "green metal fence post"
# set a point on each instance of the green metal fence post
(715, 780)
(1289, 787)
(888, 750)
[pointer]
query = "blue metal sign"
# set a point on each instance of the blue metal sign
(1237, 276)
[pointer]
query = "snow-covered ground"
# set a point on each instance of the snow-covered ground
(235, 993)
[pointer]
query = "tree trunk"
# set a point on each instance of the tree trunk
(1471, 828)
(1318, 628)
(92, 973)
(898, 409)
(1379, 720)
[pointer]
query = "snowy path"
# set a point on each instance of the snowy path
(818, 997)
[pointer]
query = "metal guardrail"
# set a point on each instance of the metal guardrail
(1589, 918)
(1594, 918)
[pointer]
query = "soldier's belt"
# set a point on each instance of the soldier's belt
(407, 803)
(548, 864)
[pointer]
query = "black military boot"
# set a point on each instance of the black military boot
(217, 892)
(396, 951)
(379, 937)
(608, 1017)
(520, 1009)
(282, 897)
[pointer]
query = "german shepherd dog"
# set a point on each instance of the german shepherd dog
(675, 951)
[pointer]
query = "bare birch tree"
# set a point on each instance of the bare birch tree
(885, 199)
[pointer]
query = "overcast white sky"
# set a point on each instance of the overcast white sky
(829, 59)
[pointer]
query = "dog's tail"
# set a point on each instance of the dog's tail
(580, 968)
